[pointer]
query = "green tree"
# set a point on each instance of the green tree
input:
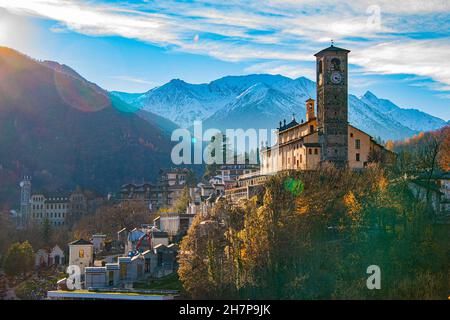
(182, 202)
(19, 259)
(316, 242)
(46, 231)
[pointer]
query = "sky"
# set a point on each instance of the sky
(400, 50)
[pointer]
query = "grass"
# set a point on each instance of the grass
(170, 282)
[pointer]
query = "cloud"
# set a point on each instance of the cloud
(386, 37)
(290, 70)
(428, 58)
(133, 79)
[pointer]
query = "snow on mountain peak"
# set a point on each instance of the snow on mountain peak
(261, 100)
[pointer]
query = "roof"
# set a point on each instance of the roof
(79, 242)
(160, 234)
(331, 48)
(95, 269)
(122, 230)
(291, 124)
(160, 246)
(99, 236)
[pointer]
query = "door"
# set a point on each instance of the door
(111, 278)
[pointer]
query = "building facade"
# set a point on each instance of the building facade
(161, 194)
(53, 208)
(327, 136)
(81, 254)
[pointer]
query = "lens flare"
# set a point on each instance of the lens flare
(294, 186)
(78, 93)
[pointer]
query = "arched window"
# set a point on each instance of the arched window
(81, 253)
(336, 63)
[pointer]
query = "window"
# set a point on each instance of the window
(351, 135)
(123, 271)
(311, 129)
(357, 157)
(358, 144)
(160, 259)
(316, 151)
(310, 151)
(81, 253)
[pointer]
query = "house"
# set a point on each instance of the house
(81, 253)
(436, 187)
(56, 256)
(167, 189)
(246, 187)
(49, 257)
(98, 241)
(147, 254)
(144, 238)
(173, 223)
(156, 263)
(41, 258)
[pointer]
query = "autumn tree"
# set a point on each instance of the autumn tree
(312, 236)
(19, 259)
(182, 202)
(109, 219)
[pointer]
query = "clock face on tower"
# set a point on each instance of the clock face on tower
(336, 77)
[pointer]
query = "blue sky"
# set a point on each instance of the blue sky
(400, 49)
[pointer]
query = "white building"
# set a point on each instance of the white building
(98, 241)
(81, 253)
(54, 208)
(49, 257)
(174, 223)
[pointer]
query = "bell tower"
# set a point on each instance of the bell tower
(310, 110)
(332, 104)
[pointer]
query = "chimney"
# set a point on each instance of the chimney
(310, 115)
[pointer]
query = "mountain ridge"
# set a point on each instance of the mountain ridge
(227, 107)
(67, 132)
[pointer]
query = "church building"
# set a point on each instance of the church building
(325, 136)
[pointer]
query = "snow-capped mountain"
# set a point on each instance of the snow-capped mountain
(262, 100)
(374, 122)
(183, 102)
(411, 118)
(259, 106)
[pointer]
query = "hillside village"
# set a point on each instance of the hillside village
(121, 263)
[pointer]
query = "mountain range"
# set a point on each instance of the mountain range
(65, 131)
(262, 100)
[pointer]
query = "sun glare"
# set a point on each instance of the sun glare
(15, 32)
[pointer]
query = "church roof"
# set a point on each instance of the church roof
(331, 48)
(291, 124)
